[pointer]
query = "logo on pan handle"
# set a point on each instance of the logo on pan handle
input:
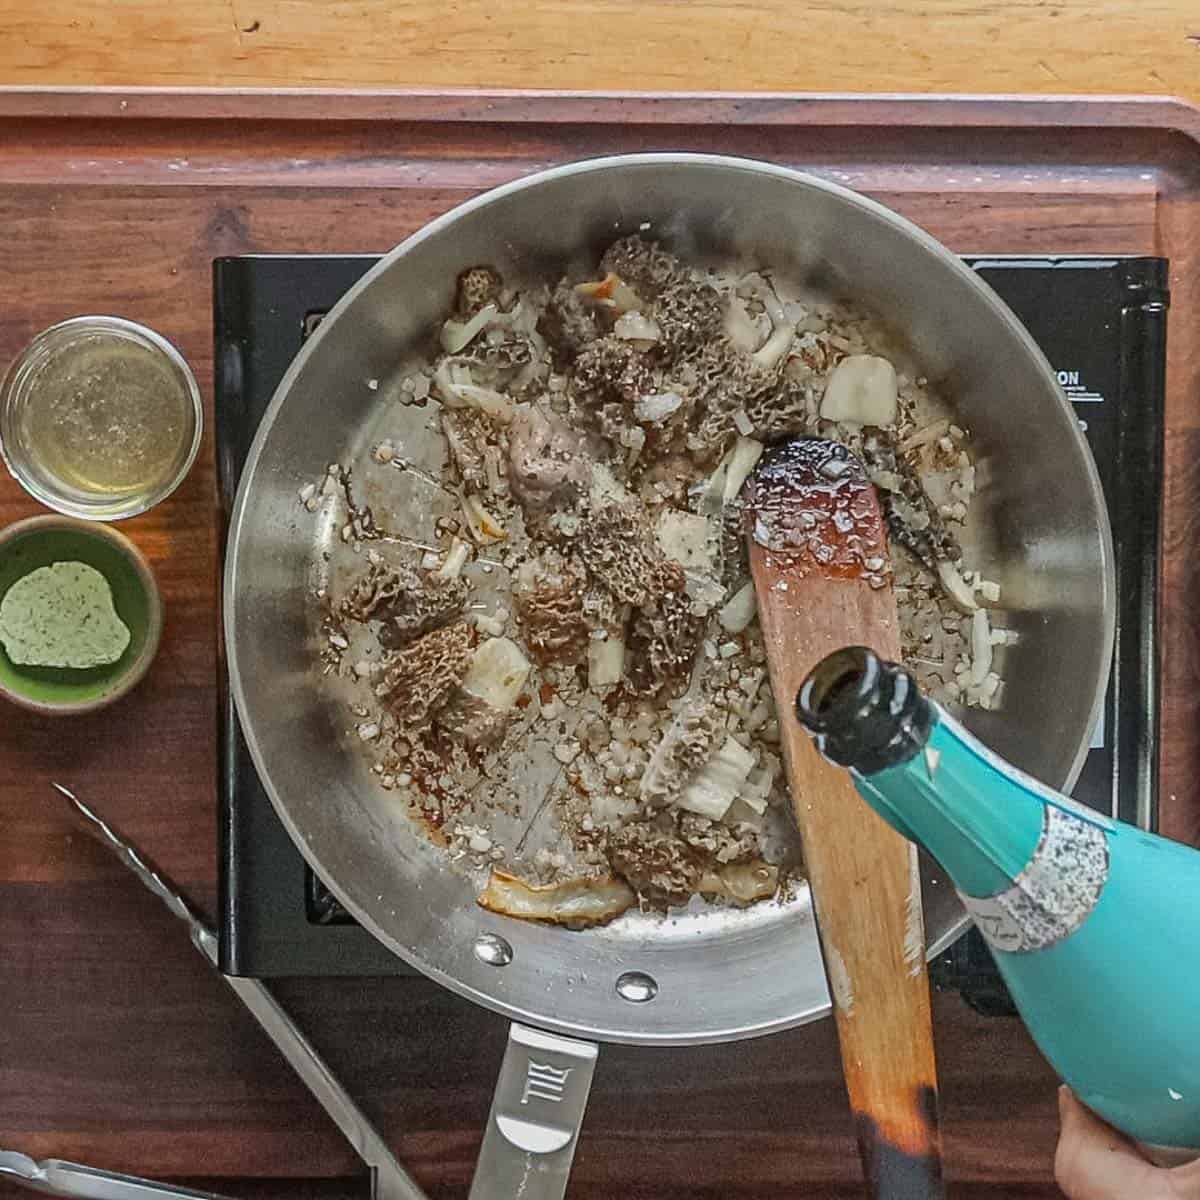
(544, 1082)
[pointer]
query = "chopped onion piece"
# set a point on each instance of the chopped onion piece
(634, 441)
(656, 785)
(461, 453)
(605, 661)
(756, 284)
(712, 491)
(456, 559)
(758, 716)
(457, 391)
(937, 485)
(745, 454)
(683, 538)
(956, 587)
(889, 481)
(740, 610)
(489, 625)
(751, 681)
(656, 408)
(923, 437)
(757, 791)
(521, 318)
(742, 814)
(495, 404)
(742, 422)
(491, 465)
(981, 646)
(496, 673)
(862, 390)
(458, 335)
(636, 327)
(743, 883)
(704, 590)
(717, 784)
(605, 488)
(483, 526)
(610, 292)
(578, 902)
(739, 329)
(775, 347)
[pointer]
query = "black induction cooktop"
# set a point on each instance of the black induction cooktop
(1100, 321)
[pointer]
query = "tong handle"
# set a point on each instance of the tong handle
(54, 1177)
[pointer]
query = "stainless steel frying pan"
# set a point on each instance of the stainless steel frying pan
(704, 975)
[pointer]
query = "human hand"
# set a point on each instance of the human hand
(1095, 1162)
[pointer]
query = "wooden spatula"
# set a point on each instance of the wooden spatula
(818, 553)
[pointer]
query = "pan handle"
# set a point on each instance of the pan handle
(537, 1110)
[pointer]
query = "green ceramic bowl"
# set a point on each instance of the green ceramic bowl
(40, 541)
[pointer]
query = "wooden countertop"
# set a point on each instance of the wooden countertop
(1045, 46)
(119, 1048)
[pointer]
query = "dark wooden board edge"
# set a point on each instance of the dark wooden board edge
(641, 108)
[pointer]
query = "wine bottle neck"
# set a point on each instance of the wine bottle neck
(979, 817)
(981, 823)
(862, 712)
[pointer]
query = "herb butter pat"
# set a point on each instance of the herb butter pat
(62, 616)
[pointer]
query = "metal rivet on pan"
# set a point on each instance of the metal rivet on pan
(637, 987)
(492, 949)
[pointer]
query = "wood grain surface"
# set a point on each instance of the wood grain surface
(1047, 46)
(865, 880)
(116, 1047)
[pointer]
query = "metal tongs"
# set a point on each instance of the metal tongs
(389, 1180)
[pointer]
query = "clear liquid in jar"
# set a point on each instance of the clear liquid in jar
(110, 417)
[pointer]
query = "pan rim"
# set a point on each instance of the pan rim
(871, 207)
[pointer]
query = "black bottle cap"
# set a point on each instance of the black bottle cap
(863, 712)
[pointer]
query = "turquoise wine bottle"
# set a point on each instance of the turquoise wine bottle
(1094, 924)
